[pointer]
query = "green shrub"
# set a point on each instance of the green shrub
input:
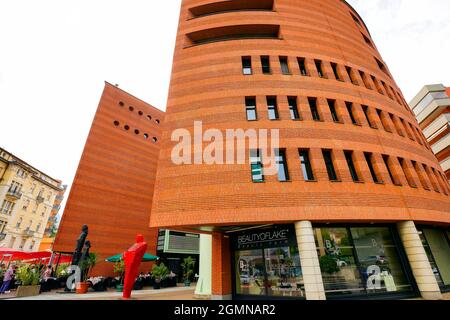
(328, 265)
(160, 272)
(28, 276)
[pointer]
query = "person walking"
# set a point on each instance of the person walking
(9, 275)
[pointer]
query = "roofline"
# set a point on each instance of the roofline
(26, 163)
(359, 16)
(424, 91)
(131, 95)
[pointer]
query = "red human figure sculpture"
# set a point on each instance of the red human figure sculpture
(133, 258)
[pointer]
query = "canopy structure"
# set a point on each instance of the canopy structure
(31, 257)
(147, 257)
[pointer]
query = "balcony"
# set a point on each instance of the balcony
(14, 194)
(2, 236)
(40, 199)
(28, 233)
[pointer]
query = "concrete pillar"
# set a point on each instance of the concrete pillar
(309, 261)
(418, 260)
(203, 289)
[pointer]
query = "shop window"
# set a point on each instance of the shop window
(293, 108)
(265, 63)
(314, 110)
(390, 170)
(332, 106)
(369, 159)
(328, 159)
(319, 68)
(281, 162)
(305, 164)
(351, 165)
(250, 107)
(284, 65)
(302, 66)
(349, 107)
(272, 108)
(334, 66)
(360, 261)
(246, 65)
(256, 165)
(437, 248)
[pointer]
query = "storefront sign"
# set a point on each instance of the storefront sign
(263, 238)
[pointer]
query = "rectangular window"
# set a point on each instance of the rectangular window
(3, 225)
(383, 120)
(387, 90)
(284, 65)
(406, 128)
(349, 106)
(305, 162)
(7, 207)
(377, 85)
(365, 80)
(350, 75)
(302, 66)
(430, 178)
(334, 66)
(381, 66)
(419, 174)
(399, 131)
(351, 165)
(293, 108)
(265, 63)
(250, 106)
(367, 40)
(415, 134)
(314, 111)
(387, 163)
(332, 105)
(280, 157)
(369, 160)
(406, 172)
(256, 165)
(328, 158)
(319, 68)
(272, 108)
(366, 114)
(247, 65)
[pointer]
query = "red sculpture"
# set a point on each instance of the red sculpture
(133, 258)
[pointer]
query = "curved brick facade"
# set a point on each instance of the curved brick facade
(208, 85)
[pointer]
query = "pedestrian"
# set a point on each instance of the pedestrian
(9, 275)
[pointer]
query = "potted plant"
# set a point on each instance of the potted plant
(29, 278)
(119, 269)
(159, 273)
(86, 266)
(188, 270)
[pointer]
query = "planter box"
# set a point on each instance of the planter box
(28, 291)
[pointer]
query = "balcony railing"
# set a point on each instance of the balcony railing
(40, 199)
(2, 236)
(14, 194)
(28, 233)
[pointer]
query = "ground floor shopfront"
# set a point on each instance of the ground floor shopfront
(313, 261)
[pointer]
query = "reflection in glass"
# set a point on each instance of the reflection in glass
(250, 272)
(440, 250)
(284, 275)
(431, 259)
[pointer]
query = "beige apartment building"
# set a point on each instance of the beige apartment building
(432, 109)
(27, 198)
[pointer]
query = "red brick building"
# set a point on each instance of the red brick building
(113, 188)
(357, 178)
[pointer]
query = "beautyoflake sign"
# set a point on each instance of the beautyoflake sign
(276, 236)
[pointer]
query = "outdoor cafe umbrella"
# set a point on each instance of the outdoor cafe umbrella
(147, 257)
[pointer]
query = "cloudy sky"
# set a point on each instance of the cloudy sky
(55, 55)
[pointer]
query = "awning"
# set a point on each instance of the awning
(31, 257)
(147, 257)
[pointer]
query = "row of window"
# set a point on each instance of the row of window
(131, 108)
(338, 72)
(387, 119)
(435, 178)
(136, 131)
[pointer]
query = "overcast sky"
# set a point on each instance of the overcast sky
(56, 54)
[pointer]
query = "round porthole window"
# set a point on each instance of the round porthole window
(121, 103)
(136, 131)
(149, 117)
(145, 136)
(140, 113)
(155, 139)
(116, 123)
(131, 108)
(127, 127)
(157, 121)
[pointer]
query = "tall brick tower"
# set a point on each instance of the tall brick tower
(356, 178)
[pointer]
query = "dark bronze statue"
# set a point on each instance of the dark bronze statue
(76, 259)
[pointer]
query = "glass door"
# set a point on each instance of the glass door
(250, 273)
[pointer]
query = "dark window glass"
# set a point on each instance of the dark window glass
(349, 106)
(247, 65)
(265, 63)
(283, 174)
(284, 65)
(334, 66)
(250, 106)
(293, 108)
(256, 165)
(369, 160)
(302, 66)
(332, 105)
(351, 165)
(388, 167)
(366, 114)
(328, 158)
(272, 108)
(319, 68)
(307, 171)
(314, 111)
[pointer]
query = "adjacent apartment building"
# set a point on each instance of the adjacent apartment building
(432, 109)
(358, 194)
(27, 198)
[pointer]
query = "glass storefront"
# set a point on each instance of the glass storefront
(267, 263)
(356, 261)
(437, 246)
